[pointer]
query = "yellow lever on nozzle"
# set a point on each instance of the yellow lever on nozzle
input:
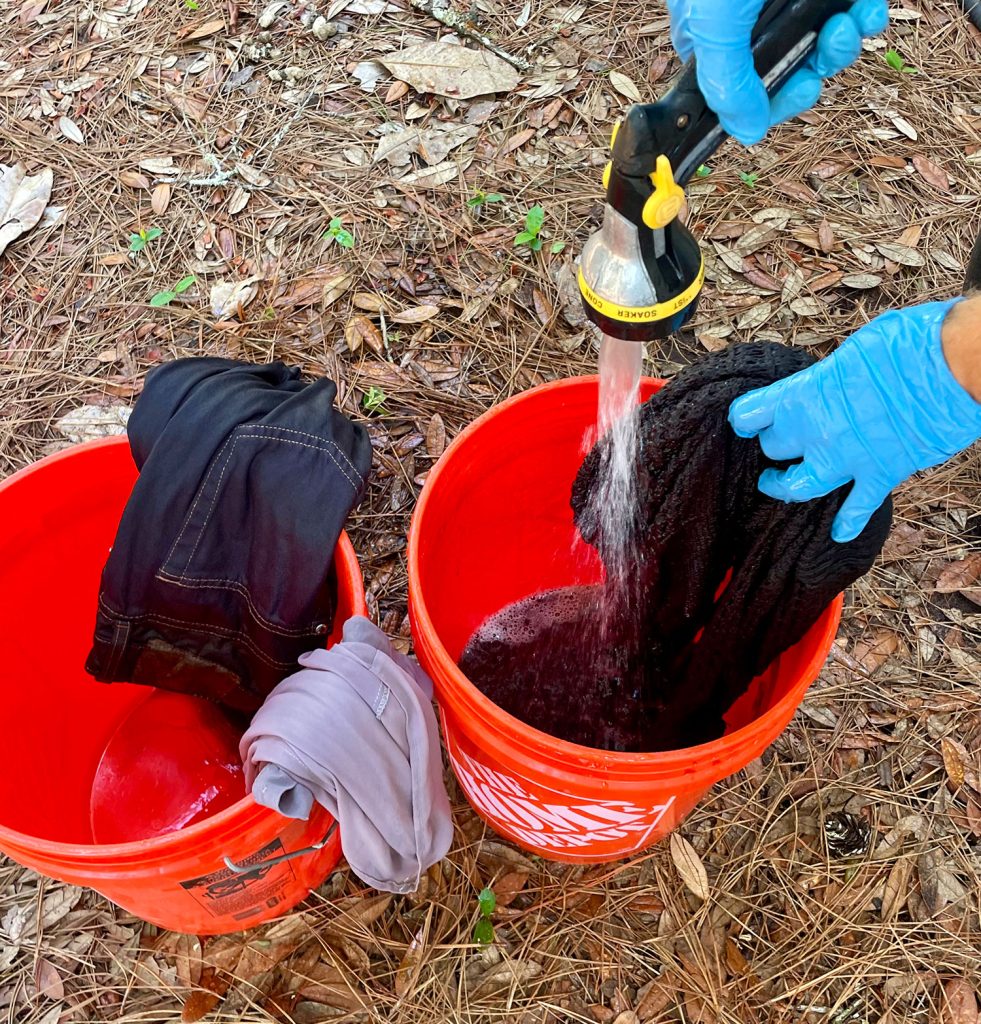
(667, 199)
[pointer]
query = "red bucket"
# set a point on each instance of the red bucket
(494, 525)
(59, 518)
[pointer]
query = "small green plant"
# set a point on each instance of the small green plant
(703, 171)
(138, 241)
(557, 247)
(749, 178)
(896, 62)
(340, 234)
(192, 5)
(480, 198)
(483, 931)
(534, 219)
(374, 400)
(167, 297)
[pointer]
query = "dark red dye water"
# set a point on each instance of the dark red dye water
(556, 661)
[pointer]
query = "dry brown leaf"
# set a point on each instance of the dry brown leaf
(159, 165)
(874, 652)
(361, 331)
(440, 174)
(366, 910)
(396, 91)
(625, 86)
(627, 1017)
(48, 981)
(960, 1003)
(507, 887)
(133, 179)
(328, 985)
(881, 160)
(23, 198)
(160, 198)
(761, 279)
(445, 69)
(542, 307)
(202, 31)
(689, 866)
(956, 760)
(70, 130)
(974, 816)
(416, 315)
(959, 575)
(505, 975)
(655, 997)
(407, 972)
(897, 889)
(930, 172)
(737, 963)
(198, 1005)
(861, 280)
(755, 316)
(188, 960)
(807, 306)
(826, 237)
(228, 298)
(824, 281)
(238, 201)
(517, 141)
(901, 254)
(911, 236)
(436, 436)
(754, 239)
(827, 169)
(370, 302)
(252, 175)
(335, 286)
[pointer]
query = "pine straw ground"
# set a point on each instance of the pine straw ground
(844, 865)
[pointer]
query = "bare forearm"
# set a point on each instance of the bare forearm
(961, 337)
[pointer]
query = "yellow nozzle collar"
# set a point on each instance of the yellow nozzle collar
(668, 198)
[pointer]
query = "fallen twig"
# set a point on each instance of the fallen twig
(441, 11)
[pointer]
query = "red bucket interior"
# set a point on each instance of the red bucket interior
(497, 526)
(59, 519)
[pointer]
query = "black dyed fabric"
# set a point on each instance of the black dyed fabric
(221, 573)
(699, 516)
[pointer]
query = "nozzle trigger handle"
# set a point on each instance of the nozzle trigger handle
(683, 128)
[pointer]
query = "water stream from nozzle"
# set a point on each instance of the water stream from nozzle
(614, 498)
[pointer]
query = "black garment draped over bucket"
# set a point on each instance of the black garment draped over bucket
(220, 575)
(699, 516)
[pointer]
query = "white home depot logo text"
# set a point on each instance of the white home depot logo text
(557, 825)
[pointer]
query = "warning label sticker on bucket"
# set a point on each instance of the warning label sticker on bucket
(556, 821)
(227, 893)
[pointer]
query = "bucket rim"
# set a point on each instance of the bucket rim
(243, 813)
(461, 692)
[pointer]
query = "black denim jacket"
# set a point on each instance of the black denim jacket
(221, 572)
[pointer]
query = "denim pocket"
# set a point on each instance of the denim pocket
(263, 526)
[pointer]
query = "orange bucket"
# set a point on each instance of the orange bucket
(231, 871)
(494, 525)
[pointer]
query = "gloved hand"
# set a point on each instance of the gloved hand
(718, 33)
(881, 407)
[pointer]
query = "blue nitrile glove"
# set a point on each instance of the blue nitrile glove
(881, 407)
(718, 32)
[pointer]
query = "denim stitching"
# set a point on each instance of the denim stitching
(190, 515)
(214, 498)
(218, 632)
(207, 584)
(313, 437)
